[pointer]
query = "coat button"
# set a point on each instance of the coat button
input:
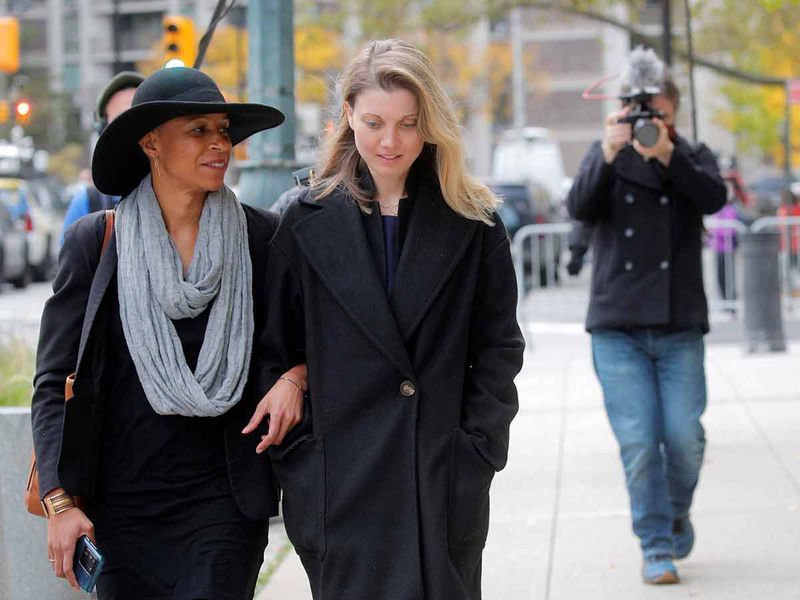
(407, 389)
(629, 232)
(664, 265)
(629, 265)
(629, 199)
(664, 200)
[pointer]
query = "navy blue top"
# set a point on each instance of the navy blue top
(391, 246)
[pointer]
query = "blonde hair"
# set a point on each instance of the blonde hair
(390, 65)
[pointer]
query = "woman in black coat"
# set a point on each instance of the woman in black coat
(393, 278)
(160, 330)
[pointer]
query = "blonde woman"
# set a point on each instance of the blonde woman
(393, 279)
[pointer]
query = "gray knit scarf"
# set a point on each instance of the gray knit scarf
(153, 290)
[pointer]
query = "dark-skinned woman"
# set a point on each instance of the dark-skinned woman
(159, 328)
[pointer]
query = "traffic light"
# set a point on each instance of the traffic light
(5, 111)
(9, 45)
(180, 40)
(23, 111)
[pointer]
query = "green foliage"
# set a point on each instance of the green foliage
(16, 373)
(763, 37)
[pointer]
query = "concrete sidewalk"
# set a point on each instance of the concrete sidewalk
(560, 522)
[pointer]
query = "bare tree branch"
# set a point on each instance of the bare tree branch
(495, 8)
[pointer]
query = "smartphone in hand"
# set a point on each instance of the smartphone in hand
(87, 564)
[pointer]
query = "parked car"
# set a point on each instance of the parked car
(528, 203)
(768, 191)
(47, 211)
(13, 248)
(38, 209)
(529, 154)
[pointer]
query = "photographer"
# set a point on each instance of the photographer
(645, 196)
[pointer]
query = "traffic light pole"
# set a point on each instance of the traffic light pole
(270, 79)
(666, 32)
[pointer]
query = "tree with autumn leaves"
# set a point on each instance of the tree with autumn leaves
(757, 36)
(321, 52)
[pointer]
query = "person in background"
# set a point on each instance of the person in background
(790, 239)
(723, 242)
(648, 311)
(302, 179)
(115, 98)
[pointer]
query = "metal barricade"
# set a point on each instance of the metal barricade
(536, 251)
(789, 255)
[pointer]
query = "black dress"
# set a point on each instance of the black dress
(165, 516)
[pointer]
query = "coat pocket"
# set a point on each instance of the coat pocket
(300, 470)
(468, 504)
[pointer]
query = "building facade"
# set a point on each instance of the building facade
(73, 41)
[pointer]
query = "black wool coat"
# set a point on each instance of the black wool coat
(647, 239)
(386, 484)
(67, 437)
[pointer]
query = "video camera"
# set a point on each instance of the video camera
(644, 130)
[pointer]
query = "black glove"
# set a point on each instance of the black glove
(575, 263)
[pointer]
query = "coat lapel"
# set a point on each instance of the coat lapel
(333, 241)
(106, 269)
(435, 242)
(631, 166)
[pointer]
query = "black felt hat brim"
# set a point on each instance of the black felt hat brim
(119, 164)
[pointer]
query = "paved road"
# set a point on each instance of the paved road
(21, 310)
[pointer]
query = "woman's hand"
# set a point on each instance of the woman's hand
(63, 531)
(284, 405)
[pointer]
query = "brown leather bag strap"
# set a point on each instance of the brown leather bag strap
(109, 230)
(32, 487)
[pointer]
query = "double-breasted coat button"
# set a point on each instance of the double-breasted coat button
(664, 200)
(664, 265)
(629, 265)
(629, 232)
(629, 199)
(407, 389)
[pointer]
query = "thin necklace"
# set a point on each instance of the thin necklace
(391, 209)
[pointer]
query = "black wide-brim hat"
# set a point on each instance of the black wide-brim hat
(119, 164)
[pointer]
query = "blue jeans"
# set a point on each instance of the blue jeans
(654, 387)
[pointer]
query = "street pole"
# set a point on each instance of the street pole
(787, 139)
(116, 44)
(270, 80)
(690, 50)
(518, 69)
(666, 33)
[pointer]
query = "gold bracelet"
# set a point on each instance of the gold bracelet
(293, 382)
(58, 503)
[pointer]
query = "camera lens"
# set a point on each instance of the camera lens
(88, 561)
(646, 132)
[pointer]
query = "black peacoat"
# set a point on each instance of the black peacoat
(67, 438)
(648, 230)
(386, 484)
